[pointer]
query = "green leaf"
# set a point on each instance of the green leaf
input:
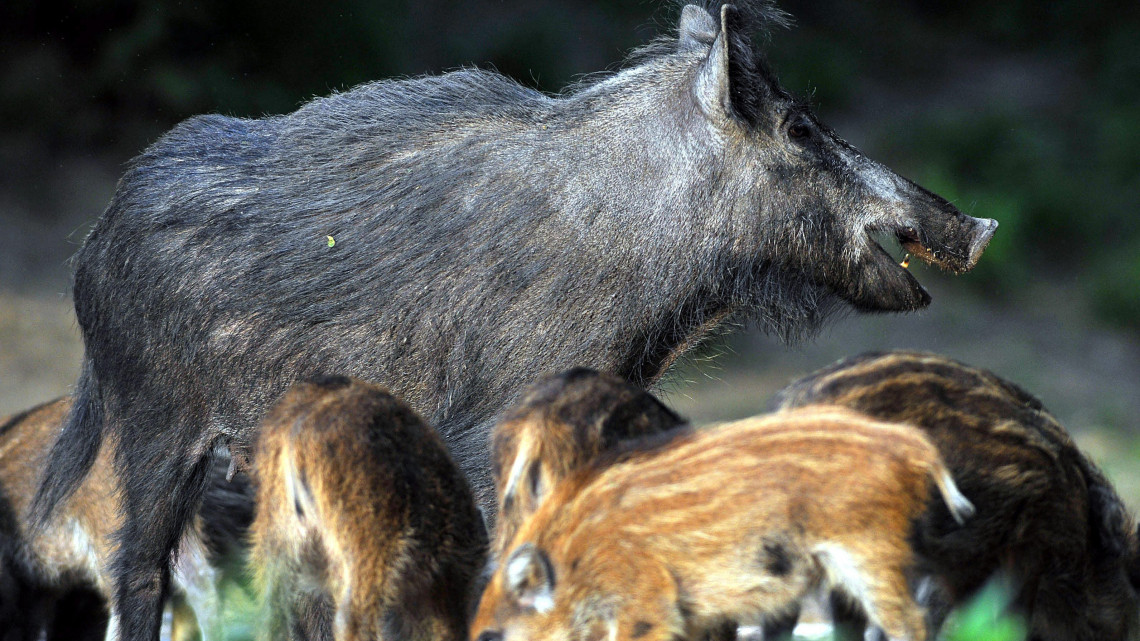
(985, 618)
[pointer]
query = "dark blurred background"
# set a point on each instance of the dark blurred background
(1023, 111)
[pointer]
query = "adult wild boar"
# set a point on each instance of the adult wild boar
(483, 233)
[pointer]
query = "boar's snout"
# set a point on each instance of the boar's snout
(944, 236)
(928, 228)
(984, 232)
(947, 238)
(887, 205)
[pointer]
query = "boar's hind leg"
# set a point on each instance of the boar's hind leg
(312, 617)
(726, 631)
(157, 501)
(358, 613)
(935, 598)
(873, 572)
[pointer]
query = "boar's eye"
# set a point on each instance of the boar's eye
(799, 131)
(490, 635)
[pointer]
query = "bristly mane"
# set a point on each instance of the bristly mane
(756, 17)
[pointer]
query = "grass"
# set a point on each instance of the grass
(982, 619)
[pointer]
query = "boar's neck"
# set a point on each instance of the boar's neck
(639, 206)
(626, 217)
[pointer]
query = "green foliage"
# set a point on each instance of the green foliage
(240, 612)
(984, 618)
(1115, 284)
(826, 79)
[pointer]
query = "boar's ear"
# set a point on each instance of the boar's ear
(530, 578)
(714, 79)
(696, 30)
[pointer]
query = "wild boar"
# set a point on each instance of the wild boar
(561, 424)
(736, 522)
(365, 527)
(482, 234)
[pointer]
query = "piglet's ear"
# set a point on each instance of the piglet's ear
(713, 87)
(537, 484)
(696, 30)
(530, 578)
(637, 415)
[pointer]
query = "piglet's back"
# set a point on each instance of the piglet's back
(363, 519)
(809, 465)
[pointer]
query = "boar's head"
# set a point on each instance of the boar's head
(819, 201)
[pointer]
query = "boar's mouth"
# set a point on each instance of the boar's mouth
(887, 285)
(958, 255)
(957, 260)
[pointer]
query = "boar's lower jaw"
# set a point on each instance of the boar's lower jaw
(881, 284)
(878, 283)
(878, 300)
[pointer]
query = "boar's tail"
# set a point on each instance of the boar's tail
(960, 507)
(73, 452)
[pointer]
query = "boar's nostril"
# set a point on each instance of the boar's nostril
(908, 234)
